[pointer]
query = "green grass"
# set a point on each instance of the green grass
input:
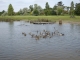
(33, 18)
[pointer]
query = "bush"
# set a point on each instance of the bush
(36, 12)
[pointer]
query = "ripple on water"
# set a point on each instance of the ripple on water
(15, 46)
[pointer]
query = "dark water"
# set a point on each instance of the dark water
(15, 46)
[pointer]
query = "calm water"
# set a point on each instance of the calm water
(15, 46)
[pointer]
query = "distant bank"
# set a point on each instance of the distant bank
(40, 18)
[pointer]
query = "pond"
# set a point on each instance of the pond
(14, 45)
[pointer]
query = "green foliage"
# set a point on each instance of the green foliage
(47, 5)
(2, 12)
(46, 12)
(39, 9)
(53, 12)
(47, 9)
(68, 10)
(60, 3)
(31, 7)
(10, 10)
(72, 10)
(25, 11)
(35, 6)
(36, 12)
(20, 12)
(77, 9)
(56, 10)
(59, 10)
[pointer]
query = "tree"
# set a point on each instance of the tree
(25, 11)
(60, 3)
(68, 9)
(54, 10)
(36, 12)
(39, 8)
(72, 10)
(60, 8)
(2, 12)
(77, 9)
(47, 9)
(35, 6)
(31, 7)
(20, 12)
(47, 5)
(10, 10)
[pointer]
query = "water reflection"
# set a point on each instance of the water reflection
(15, 46)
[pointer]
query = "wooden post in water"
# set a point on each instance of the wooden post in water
(60, 21)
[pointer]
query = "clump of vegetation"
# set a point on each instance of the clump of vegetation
(10, 10)
(43, 20)
(4, 14)
(72, 10)
(36, 12)
(77, 9)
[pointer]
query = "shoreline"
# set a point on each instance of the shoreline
(65, 19)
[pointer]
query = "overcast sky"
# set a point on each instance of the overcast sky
(18, 4)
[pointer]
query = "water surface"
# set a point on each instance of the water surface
(15, 46)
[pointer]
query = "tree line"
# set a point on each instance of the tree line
(58, 9)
